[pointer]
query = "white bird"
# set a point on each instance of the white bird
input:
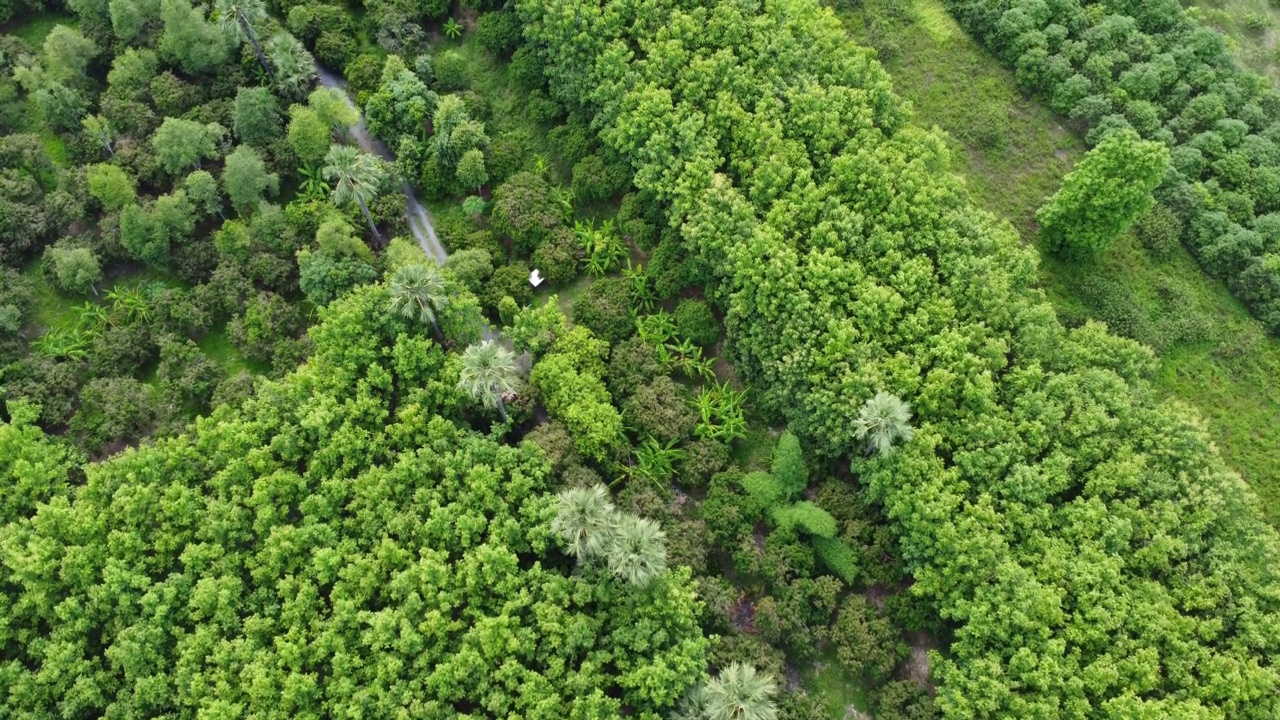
(534, 278)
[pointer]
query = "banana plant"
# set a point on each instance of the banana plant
(638, 280)
(62, 343)
(656, 328)
(313, 186)
(656, 462)
(452, 29)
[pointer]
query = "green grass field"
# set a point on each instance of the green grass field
(1013, 153)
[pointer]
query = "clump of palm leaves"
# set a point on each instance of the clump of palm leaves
(123, 305)
(884, 422)
(739, 692)
(658, 330)
(452, 29)
(656, 462)
(603, 248)
(720, 412)
(595, 532)
(313, 186)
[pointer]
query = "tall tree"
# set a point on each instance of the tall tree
(739, 692)
(418, 292)
(179, 143)
(586, 519)
(256, 119)
(883, 421)
(245, 179)
(637, 551)
(1110, 189)
(355, 176)
(294, 67)
(488, 372)
(236, 19)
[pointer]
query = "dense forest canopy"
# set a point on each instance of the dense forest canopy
(624, 358)
(343, 545)
(1096, 553)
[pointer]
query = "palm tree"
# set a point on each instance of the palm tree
(693, 706)
(637, 552)
(883, 421)
(418, 292)
(488, 372)
(355, 176)
(741, 693)
(294, 69)
(236, 19)
(586, 520)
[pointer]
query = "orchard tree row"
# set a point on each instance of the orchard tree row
(1094, 553)
(1151, 68)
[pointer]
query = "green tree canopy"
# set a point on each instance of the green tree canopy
(110, 185)
(246, 179)
(1103, 196)
(181, 143)
(257, 117)
(339, 538)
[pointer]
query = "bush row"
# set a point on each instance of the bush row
(1149, 66)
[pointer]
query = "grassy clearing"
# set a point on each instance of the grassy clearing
(1014, 152)
(843, 695)
(33, 30)
(1251, 28)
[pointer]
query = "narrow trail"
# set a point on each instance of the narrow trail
(419, 218)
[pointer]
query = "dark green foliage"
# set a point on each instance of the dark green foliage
(865, 641)
(507, 281)
(451, 71)
(659, 409)
(605, 309)
(115, 410)
(595, 179)
(694, 321)
(527, 69)
(499, 32)
(703, 458)
(257, 117)
(267, 320)
(322, 277)
(559, 257)
(472, 267)
(186, 372)
(632, 363)
(1160, 232)
(234, 389)
(524, 212)
(903, 700)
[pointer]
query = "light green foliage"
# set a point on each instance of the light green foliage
(837, 557)
(188, 40)
(67, 54)
(456, 133)
(130, 17)
(788, 464)
(294, 69)
(471, 267)
(570, 378)
(1103, 196)
(74, 270)
(763, 489)
(537, 327)
(309, 135)
(99, 128)
(333, 107)
(110, 185)
(180, 143)
(586, 520)
(246, 180)
(61, 106)
(36, 465)
(202, 190)
(401, 105)
(471, 172)
(409, 567)
(148, 233)
(807, 517)
(257, 117)
(636, 553)
(1043, 474)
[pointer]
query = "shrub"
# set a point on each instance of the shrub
(595, 179)
(72, 269)
(658, 409)
(472, 267)
(452, 71)
(559, 257)
(507, 281)
(524, 212)
(115, 409)
(866, 644)
(499, 32)
(1160, 232)
(703, 458)
(605, 309)
(695, 322)
(632, 363)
